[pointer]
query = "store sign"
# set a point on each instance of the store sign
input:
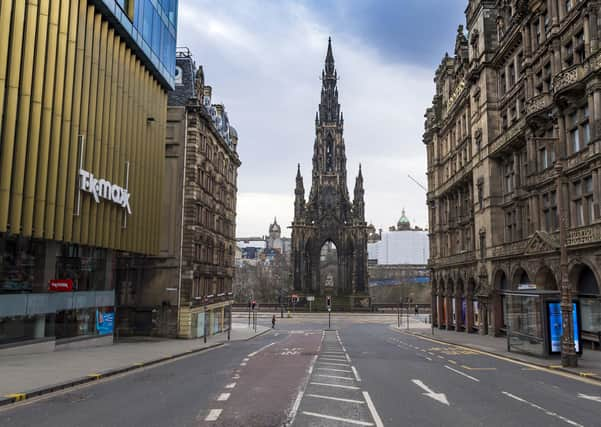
(103, 189)
(104, 322)
(556, 326)
(60, 285)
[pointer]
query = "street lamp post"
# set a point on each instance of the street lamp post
(568, 353)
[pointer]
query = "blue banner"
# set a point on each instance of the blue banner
(556, 327)
(104, 322)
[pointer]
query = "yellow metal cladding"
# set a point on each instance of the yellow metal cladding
(18, 179)
(90, 86)
(12, 93)
(32, 140)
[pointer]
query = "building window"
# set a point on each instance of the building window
(503, 83)
(567, 5)
(537, 36)
(582, 201)
(547, 77)
(546, 21)
(580, 52)
(509, 175)
(579, 133)
(550, 211)
(569, 54)
(510, 225)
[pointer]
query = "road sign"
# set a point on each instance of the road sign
(310, 298)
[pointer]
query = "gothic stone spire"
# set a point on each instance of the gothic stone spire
(329, 109)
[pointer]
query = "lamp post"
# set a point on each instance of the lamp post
(568, 353)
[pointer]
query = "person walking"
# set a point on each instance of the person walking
(273, 322)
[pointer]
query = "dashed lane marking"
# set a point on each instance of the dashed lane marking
(332, 359)
(357, 377)
(246, 359)
(213, 414)
(469, 368)
(243, 364)
(429, 358)
(334, 370)
(372, 409)
(223, 396)
(349, 387)
(462, 373)
(254, 353)
(230, 385)
(338, 399)
(335, 376)
(335, 364)
(540, 408)
(331, 417)
(452, 361)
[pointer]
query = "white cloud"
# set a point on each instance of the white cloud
(264, 60)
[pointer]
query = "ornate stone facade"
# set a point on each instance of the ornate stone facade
(187, 290)
(512, 127)
(329, 215)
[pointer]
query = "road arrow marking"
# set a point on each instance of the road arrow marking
(440, 397)
(593, 398)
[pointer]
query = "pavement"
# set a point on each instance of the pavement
(25, 376)
(359, 370)
(589, 363)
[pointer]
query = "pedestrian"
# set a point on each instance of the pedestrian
(273, 322)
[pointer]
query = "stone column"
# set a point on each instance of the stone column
(469, 311)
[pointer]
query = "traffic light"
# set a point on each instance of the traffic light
(254, 304)
(329, 301)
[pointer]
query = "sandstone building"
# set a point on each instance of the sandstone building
(513, 132)
(187, 290)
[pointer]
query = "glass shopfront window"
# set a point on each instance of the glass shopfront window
(524, 323)
(21, 265)
(590, 309)
(87, 267)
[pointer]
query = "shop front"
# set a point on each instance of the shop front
(53, 293)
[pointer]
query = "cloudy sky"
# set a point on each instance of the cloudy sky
(264, 58)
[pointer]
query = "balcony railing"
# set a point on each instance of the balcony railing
(568, 77)
(538, 103)
(584, 235)
(461, 258)
(508, 249)
(507, 136)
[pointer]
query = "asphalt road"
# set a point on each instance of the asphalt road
(362, 372)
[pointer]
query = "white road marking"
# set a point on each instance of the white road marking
(593, 398)
(223, 396)
(335, 353)
(372, 409)
(254, 353)
(301, 392)
(348, 358)
(335, 376)
(350, 387)
(462, 373)
(246, 359)
(336, 359)
(440, 397)
(332, 363)
(339, 399)
(429, 358)
(230, 385)
(334, 370)
(213, 415)
(236, 377)
(243, 364)
(344, 420)
(357, 377)
(540, 408)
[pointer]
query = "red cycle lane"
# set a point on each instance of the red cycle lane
(263, 389)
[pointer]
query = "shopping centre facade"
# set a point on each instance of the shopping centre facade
(83, 101)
